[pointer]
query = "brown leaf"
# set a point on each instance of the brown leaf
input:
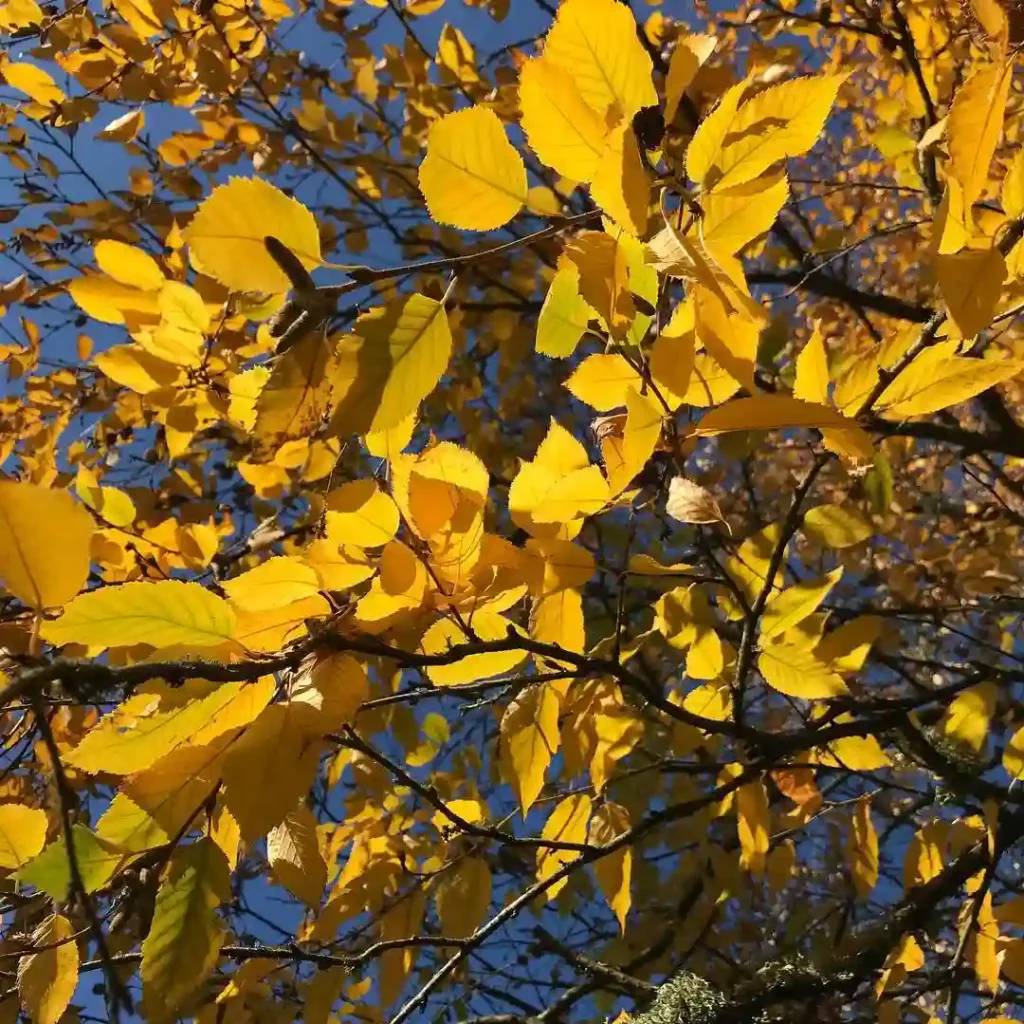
(690, 503)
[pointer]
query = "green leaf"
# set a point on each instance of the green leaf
(184, 939)
(159, 614)
(98, 862)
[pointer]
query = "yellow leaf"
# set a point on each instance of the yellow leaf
(710, 384)
(456, 57)
(796, 672)
(672, 359)
(47, 980)
(34, 82)
(270, 768)
(596, 42)
(971, 283)
(334, 688)
(613, 872)
(562, 564)
(179, 336)
(567, 824)
(391, 441)
(111, 302)
(782, 121)
(563, 130)
(564, 315)
(225, 237)
(705, 147)
(400, 586)
(222, 828)
(975, 126)
(338, 567)
(862, 849)
(833, 526)
(644, 421)
(402, 920)
(771, 412)
(159, 614)
(37, 571)
(709, 701)
(394, 359)
(735, 217)
(927, 386)
(731, 340)
(270, 629)
(559, 454)
(362, 514)
(753, 822)
(278, 580)
(558, 619)
(295, 858)
(472, 177)
(464, 897)
(581, 493)
(812, 378)
(749, 566)
(15, 14)
(245, 389)
(923, 859)
(135, 368)
(110, 504)
(854, 753)
(968, 718)
(603, 278)
(621, 186)
(22, 834)
(529, 739)
(848, 646)
(603, 380)
(1013, 187)
(788, 608)
(705, 659)
(687, 57)
(442, 480)
(129, 265)
(136, 735)
(123, 128)
(184, 939)
(296, 396)
(985, 942)
(470, 668)
(155, 804)
(1012, 968)
(1013, 756)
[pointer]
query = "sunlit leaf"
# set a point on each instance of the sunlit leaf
(22, 834)
(561, 127)
(159, 614)
(975, 126)
(472, 176)
(33, 568)
(225, 237)
(567, 824)
(796, 672)
(47, 980)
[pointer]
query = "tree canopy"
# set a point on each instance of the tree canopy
(511, 513)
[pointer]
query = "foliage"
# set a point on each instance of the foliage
(603, 600)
